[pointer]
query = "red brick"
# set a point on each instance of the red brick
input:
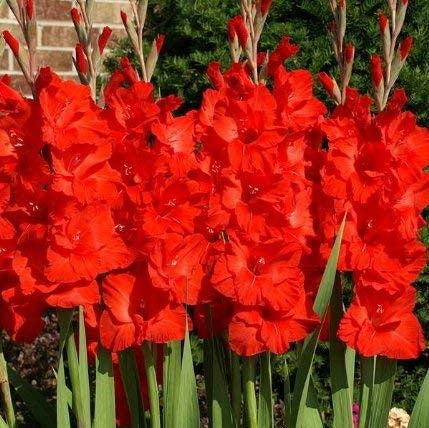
(110, 13)
(4, 60)
(4, 10)
(20, 84)
(117, 35)
(58, 36)
(54, 10)
(57, 60)
(14, 29)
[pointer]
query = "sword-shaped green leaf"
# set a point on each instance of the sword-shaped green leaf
(307, 355)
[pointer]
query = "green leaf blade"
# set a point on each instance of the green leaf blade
(341, 362)
(265, 414)
(104, 411)
(320, 306)
(171, 380)
(187, 411)
(420, 414)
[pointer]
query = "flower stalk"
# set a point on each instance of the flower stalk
(6, 398)
(152, 383)
(249, 376)
(394, 56)
(25, 15)
(344, 53)
(90, 49)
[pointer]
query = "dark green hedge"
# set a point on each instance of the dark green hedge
(196, 35)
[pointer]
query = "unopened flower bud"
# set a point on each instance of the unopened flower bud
(160, 42)
(124, 17)
(215, 75)
(6, 79)
(331, 86)
(376, 71)
(405, 48)
(75, 16)
(29, 7)
(349, 53)
(81, 63)
(12, 42)
(236, 26)
(104, 38)
(265, 6)
(383, 22)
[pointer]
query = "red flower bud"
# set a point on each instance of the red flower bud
(383, 22)
(124, 17)
(11, 41)
(29, 7)
(265, 6)
(405, 2)
(405, 48)
(6, 79)
(159, 41)
(342, 4)
(237, 27)
(397, 101)
(80, 59)
(376, 70)
(327, 82)
(104, 38)
(232, 34)
(75, 16)
(215, 75)
(349, 53)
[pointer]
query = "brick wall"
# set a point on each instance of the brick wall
(56, 35)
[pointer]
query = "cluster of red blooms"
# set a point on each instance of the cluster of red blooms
(136, 214)
(374, 171)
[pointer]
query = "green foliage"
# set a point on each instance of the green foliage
(196, 35)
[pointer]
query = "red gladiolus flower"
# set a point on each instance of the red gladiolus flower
(85, 245)
(254, 330)
(135, 312)
(265, 274)
(378, 323)
(281, 53)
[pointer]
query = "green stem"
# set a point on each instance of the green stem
(265, 409)
(6, 398)
(287, 391)
(367, 367)
(236, 387)
(73, 366)
(249, 391)
(152, 383)
(131, 383)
